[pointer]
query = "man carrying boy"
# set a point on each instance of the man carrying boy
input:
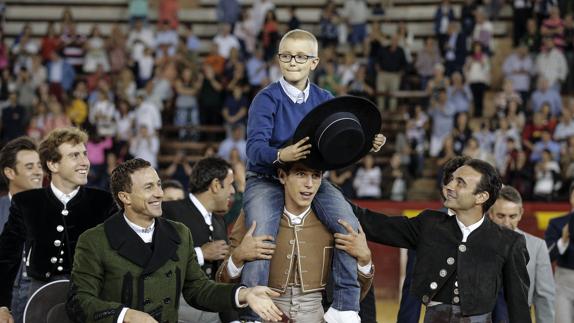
(274, 114)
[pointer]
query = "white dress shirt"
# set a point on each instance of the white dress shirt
(466, 231)
(296, 95)
(207, 218)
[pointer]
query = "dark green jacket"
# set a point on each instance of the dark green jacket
(114, 268)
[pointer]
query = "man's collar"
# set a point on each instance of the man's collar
(471, 227)
(204, 212)
(63, 197)
(294, 93)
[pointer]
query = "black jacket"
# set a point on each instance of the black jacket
(553, 234)
(36, 219)
(492, 258)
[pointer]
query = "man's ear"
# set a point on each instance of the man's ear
(482, 197)
(215, 185)
(282, 174)
(53, 166)
(9, 173)
(124, 198)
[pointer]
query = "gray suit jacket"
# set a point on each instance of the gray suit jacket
(4, 210)
(542, 290)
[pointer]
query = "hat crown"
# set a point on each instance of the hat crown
(340, 137)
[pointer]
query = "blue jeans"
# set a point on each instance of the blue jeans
(263, 202)
(20, 294)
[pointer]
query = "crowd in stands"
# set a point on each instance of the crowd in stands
(125, 87)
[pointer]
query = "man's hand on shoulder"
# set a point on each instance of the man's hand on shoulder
(133, 316)
(259, 299)
(354, 243)
(5, 315)
(215, 250)
(253, 248)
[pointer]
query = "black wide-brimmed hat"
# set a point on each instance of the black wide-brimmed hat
(340, 131)
(47, 304)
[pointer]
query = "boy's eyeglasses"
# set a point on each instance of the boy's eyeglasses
(300, 59)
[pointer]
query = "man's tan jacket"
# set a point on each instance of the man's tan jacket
(302, 257)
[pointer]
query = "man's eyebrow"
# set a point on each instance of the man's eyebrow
(458, 178)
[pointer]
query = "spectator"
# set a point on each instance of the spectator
(73, 44)
(66, 21)
(259, 12)
(565, 128)
(329, 80)
(14, 119)
(294, 22)
(397, 180)
(483, 31)
(501, 148)
(145, 145)
(406, 40)
(145, 67)
(147, 113)
(225, 40)
(459, 93)
(367, 181)
(446, 153)
(356, 13)
(547, 174)
(545, 94)
(96, 54)
(532, 132)
(270, 35)
(168, 12)
(390, 64)
(210, 98)
(235, 141)
(545, 144)
(461, 133)
(103, 115)
(427, 58)
(521, 11)
(61, 75)
(454, 49)
(215, 60)
(551, 64)
(373, 44)
(438, 82)
(485, 136)
(508, 94)
(172, 190)
(38, 73)
(117, 49)
(186, 107)
(125, 126)
(257, 71)
(519, 172)
(166, 39)
(329, 26)
(23, 50)
(228, 12)
(359, 86)
(472, 149)
(96, 148)
(77, 110)
(56, 118)
(137, 10)
(531, 38)
(515, 116)
(162, 92)
(235, 109)
(518, 68)
(140, 37)
(246, 33)
(179, 169)
(553, 27)
(442, 116)
(416, 136)
(26, 91)
(50, 42)
(477, 73)
(467, 16)
(37, 127)
(443, 16)
(347, 69)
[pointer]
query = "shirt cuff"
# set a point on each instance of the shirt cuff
(122, 315)
(232, 269)
(562, 246)
(237, 298)
(366, 269)
(199, 253)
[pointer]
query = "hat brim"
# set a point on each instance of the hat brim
(44, 300)
(365, 111)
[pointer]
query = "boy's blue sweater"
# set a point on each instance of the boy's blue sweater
(272, 121)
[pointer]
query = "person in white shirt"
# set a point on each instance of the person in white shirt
(145, 144)
(225, 40)
(551, 64)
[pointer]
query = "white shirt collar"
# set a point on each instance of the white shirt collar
(145, 233)
(466, 231)
(206, 214)
(63, 197)
(296, 95)
(297, 218)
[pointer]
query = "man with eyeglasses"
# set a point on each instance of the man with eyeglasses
(273, 117)
(49, 220)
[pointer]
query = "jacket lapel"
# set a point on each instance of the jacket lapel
(166, 240)
(125, 241)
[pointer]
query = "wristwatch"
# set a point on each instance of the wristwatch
(278, 160)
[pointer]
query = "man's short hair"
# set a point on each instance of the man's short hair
(9, 152)
(490, 181)
(49, 146)
(450, 166)
(120, 180)
(300, 34)
(510, 194)
(171, 183)
(205, 171)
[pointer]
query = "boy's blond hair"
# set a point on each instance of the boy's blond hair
(300, 34)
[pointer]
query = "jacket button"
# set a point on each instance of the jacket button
(57, 243)
(456, 283)
(456, 291)
(60, 268)
(433, 285)
(53, 260)
(208, 271)
(168, 274)
(167, 300)
(456, 299)
(442, 273)
(462, 248)
(147, 301)
(60, 228)
(450, 261)
(425, 299)
(47, 275)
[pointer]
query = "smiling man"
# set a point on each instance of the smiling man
(464, 260)
(210, 194)
(135, 266)
(49, 220)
